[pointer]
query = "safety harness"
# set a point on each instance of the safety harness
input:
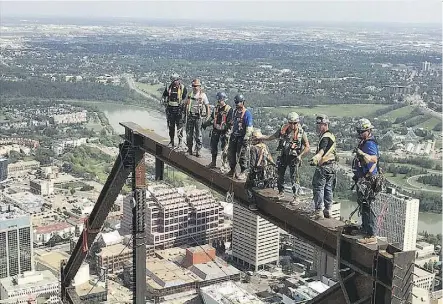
(224, 114)
(239, 118)
(175, 103)
(195, 109)
(294, 143)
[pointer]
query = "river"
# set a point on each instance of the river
(155, 120)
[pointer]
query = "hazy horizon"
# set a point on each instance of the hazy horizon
(410, 12)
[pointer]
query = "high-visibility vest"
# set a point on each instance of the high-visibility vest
(220, 124)
(175, 103)
(198, 108)
(329, 155)
(297, 136)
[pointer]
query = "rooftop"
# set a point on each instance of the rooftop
(9, 211)
(27, 201)
(164, 274)
(51, 259)
(214, 270)
(229, 293)
(52, 228)
(28, 280)
(87, 288)
(419, 272)
(114, 250)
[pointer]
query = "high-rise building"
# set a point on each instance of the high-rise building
(425, 66)
(315, 258)
(255, 241)
(3, 169)
(178, 216)
(397, 219)
(16, 244)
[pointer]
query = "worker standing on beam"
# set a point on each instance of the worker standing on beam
(366, 173)
(197, 107)
(293, 144)
(172, 98)
(324, 179)
(221, 120)
(239, 140)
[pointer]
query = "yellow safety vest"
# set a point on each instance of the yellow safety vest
(329, 155)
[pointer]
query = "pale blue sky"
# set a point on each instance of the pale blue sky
(421, 11)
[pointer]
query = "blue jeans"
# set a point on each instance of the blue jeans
(365, 200)
(323, 184)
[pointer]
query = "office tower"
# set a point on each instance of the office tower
(16, 248)
(397, 219)
(255, 241)
(3, 169)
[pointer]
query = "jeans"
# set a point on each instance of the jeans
(323, 184)
(365, 200)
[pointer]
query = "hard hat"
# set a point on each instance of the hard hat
(363, 124)
(239, 98)
(322, 119)
(196, 83)
(293, 117)
(221, 96)
(257, 134)
(175, 77)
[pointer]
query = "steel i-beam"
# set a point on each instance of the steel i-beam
(138, 228)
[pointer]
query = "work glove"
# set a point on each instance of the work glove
(314, 160)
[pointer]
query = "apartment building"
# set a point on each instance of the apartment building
(178, 216)
(255, 241)
(16, 241)
(397, 219)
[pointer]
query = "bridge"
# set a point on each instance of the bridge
(378, 273)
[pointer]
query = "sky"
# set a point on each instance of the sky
(420, 11)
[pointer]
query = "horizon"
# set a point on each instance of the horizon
(427, 12)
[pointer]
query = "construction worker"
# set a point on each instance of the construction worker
(365, 168)
(172, 98)
(324, 179)
(293, 145)
(221, 120)
(197, 107)
(259, 159)
(239, 140)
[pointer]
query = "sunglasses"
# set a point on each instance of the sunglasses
(361, 132)
(195, 86)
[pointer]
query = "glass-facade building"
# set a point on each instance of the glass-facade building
(16, 243)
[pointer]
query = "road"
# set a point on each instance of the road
(132, 86)
(419, 186)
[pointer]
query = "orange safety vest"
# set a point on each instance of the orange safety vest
(224, 114)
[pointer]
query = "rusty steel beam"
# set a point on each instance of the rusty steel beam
(360, 258)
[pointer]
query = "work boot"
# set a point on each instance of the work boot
(231, 172)
(189, 150)
(171, 143)
(241, 176)
(281, 194)
(368, 240)
(197, 153)
(327, 213)
(317, 215)
(213, 163)
(252, 207)
(294, 200)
